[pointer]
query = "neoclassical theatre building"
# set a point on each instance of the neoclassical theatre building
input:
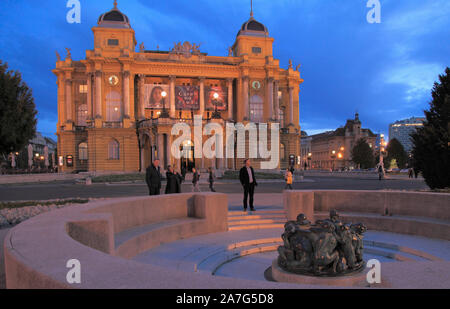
(117, 107)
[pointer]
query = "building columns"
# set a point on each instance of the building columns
(89, 96)
(269, 100)
(202, 96)
(160, 143)
(168, 149)
(141, 90)
(276, 101)
(126, 94)
(230, 98)
(98, 95)
(68, 101)
(172, 96)
(245, 93)
(291, 105)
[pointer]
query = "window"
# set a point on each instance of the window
(281, 117)
(256, 109)
(282, 152)
(113, 150)
(83, 89)
(82, 112)
(113, 107)
(113, 42)
(256, 50)
(83, 151)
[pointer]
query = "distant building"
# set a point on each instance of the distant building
(402, 130)
(332, 149)
(305, 149)
(39, 142)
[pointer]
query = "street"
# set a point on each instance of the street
(70, 189)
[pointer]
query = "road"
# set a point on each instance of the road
(70, 189)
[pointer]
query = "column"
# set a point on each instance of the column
(230, 98)
(276, 101)
(98, 94)
(168, 150)
(291, 105)
(141, 96)
(89, 96)
(245, 94)
(69, 100)
(202, 96)
(160, 142)
(172, 96)
(269, 100)
(126, 94)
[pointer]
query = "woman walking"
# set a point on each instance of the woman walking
(288, 178)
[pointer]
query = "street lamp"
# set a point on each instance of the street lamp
(309, 159)
(164, 113)
(333, 157)
(216, 114)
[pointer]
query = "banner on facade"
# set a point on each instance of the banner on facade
(221, 101)
(153, 96)
(187, 97)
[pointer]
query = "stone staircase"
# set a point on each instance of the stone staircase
(256, 220)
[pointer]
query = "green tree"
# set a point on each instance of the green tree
(362, 154)
(396, 151)
(431, 150)
(17, 112)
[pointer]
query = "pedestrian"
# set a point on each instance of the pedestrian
(289, 180)
(173, 181)
(306, 166)
(248, 181)
(183, 172)
(410, 172)
(416, 172)
(211, 180)
(380, 172)
(195, 181)
(153, 178)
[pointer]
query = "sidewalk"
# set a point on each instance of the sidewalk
(3, 233)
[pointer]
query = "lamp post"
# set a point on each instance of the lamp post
(164, 113)
(216, 114)
(333, 157)
(309, 160)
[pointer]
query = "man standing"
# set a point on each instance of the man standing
(248, 181)
(153, 178)
(195, 180)
(211, 180)
(173, 181)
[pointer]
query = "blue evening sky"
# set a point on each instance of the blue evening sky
(384, 71)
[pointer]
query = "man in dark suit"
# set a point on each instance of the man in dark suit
(248, 181)
(153, 178)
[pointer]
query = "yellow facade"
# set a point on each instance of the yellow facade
(103, 100)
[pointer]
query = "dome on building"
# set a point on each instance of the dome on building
(254, 28)
(114, 19)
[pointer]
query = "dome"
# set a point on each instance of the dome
(114, 19)
(253, 28)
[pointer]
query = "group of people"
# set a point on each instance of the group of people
(153, 179)
(174, 181)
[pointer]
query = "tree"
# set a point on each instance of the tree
(396, 151)
(17, 112)
(431, 150)
(362, 154)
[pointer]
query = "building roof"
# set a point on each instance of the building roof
(252, 27)
(114, 19)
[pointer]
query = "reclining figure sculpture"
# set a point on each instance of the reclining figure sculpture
(327, 248)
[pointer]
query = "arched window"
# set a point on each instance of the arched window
(82, 111)
(113, 107)
(113, 150)
(282, 152)
(83, 151)
(256, 109)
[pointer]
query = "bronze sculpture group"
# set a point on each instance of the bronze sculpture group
(327, 248)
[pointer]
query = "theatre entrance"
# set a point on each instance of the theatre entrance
(187, 156)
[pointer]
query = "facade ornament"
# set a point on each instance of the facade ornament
(291, 65)
(298, 67)
(69, 54)
(141, 47)
(230, 52)
(186, 49)
(58, 56)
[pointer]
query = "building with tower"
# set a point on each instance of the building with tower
(117, 107)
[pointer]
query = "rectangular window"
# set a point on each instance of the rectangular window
(256, 50)
(113, 42)
(83, 89)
